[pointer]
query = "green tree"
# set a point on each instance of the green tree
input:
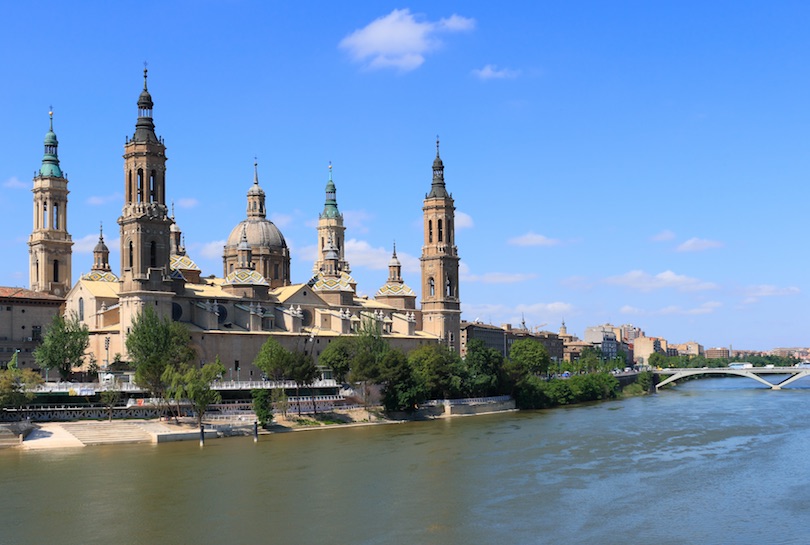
(63, 345)
(439, 370)
(527, 358)
(273, 360)
(590, 360)
(110, 397)
(339, 356)
(304, 372)
(154, 345)
(17, 386)
(658, 360)
(401, 388)
(485, 367)
(263, 406)
(371, 349)
(198, 387)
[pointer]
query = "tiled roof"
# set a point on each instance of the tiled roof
(22, 293)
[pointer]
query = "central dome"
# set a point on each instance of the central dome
(261, 233)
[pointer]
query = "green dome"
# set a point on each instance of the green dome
(50, 161)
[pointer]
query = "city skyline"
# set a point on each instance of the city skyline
(638, 165)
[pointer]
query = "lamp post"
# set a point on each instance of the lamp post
(107, 348)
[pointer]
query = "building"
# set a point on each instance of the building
(24, 316)
(231, 316)
(644, 347)
(492, 336)
(717, 353)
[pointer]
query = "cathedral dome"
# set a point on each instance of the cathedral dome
(260, 233)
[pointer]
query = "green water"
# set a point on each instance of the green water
(716, 461)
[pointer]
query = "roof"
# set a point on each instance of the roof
(395, 289)
(99, 288)
(182, 262)
(100, 276)
(22, 293)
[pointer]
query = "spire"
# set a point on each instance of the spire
(330, 207)
(255, 195)
(50, 159)
(394, 267)
(145, 126)
(101, 254)
(437, 188)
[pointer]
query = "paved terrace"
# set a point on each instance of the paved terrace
(755, 373)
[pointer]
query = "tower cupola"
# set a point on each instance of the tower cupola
(50, 160)
(145, 126)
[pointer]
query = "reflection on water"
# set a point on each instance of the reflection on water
(712, 461)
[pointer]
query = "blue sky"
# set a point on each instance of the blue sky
(630, 162)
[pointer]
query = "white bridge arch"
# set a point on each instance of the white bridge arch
(755, 373)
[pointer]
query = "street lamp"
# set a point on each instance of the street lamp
(107, 348)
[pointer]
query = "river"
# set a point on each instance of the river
(713, 461)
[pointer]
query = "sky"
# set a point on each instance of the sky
(623, 162)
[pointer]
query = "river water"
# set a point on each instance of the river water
(714, 461)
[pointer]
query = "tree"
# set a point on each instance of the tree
(263, 406)
(371, 349)
(273, 360)
(439, 370)
(401, 388)
(338, 356)
(63, 345)
(198, 387)
(485, 366)
(658, 360)
(110, 397)
(17, 385)
(529, 357)
(155, 344)
(304, 372)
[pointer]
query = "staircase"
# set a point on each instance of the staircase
(106, 433)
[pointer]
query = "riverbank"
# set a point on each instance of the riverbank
(75, 434)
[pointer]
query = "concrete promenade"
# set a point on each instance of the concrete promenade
(51, 435)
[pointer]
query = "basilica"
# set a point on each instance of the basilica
(230, 316)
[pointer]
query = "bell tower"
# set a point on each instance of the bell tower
(145, 222)
(50, 245)
(441, 305)
(330, 228)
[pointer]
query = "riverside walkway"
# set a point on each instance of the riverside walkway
(755, 373)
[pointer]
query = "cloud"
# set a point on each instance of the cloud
(357, 220)
(663, 236)
(86, 244)
(755, 293)
(281, 220)
(643, 281)
(463, 221)
(705, 308)
(213, 249)
(400, 40)
(533, 313)
(15, 183)
(188, 202)
(698, 245)
(490, 71)
(533, 239)
(306, 254)
(101, 200)
(493, 277)
(360, 253)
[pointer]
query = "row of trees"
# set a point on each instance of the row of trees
(663, 361)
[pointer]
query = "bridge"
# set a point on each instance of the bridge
(794, 374)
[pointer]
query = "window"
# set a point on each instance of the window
(441, 232)
(448, 287)
(81, 308)
(431, 287)
(131, 253)
(430, 231)
(56, 270)
(153, 254)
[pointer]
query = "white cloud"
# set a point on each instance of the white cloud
(643, 281)
(15, 183)
(705, 308)
(533, 239)
(532, 313)
(400, 40)
(100, 200)
(281, 220)
(663, 236)
(213, 249)
(698, 245)
(357, 220)
(86, 244)
(463, 221)
(493, 277)
(490, 71)
(360, 253)
(755, 293)
(188, 202)
(306, 254)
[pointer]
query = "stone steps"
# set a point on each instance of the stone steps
(105, 433)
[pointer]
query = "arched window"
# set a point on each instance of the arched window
(441, 232)
(153, 189)
(430, 231)
(153, 254)
(81, 308)
(56, 216)
(56, 270)
(431, 287)
(448, 287)
(45, 215)
(129, 186)
(140, 185)
(131, 254)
